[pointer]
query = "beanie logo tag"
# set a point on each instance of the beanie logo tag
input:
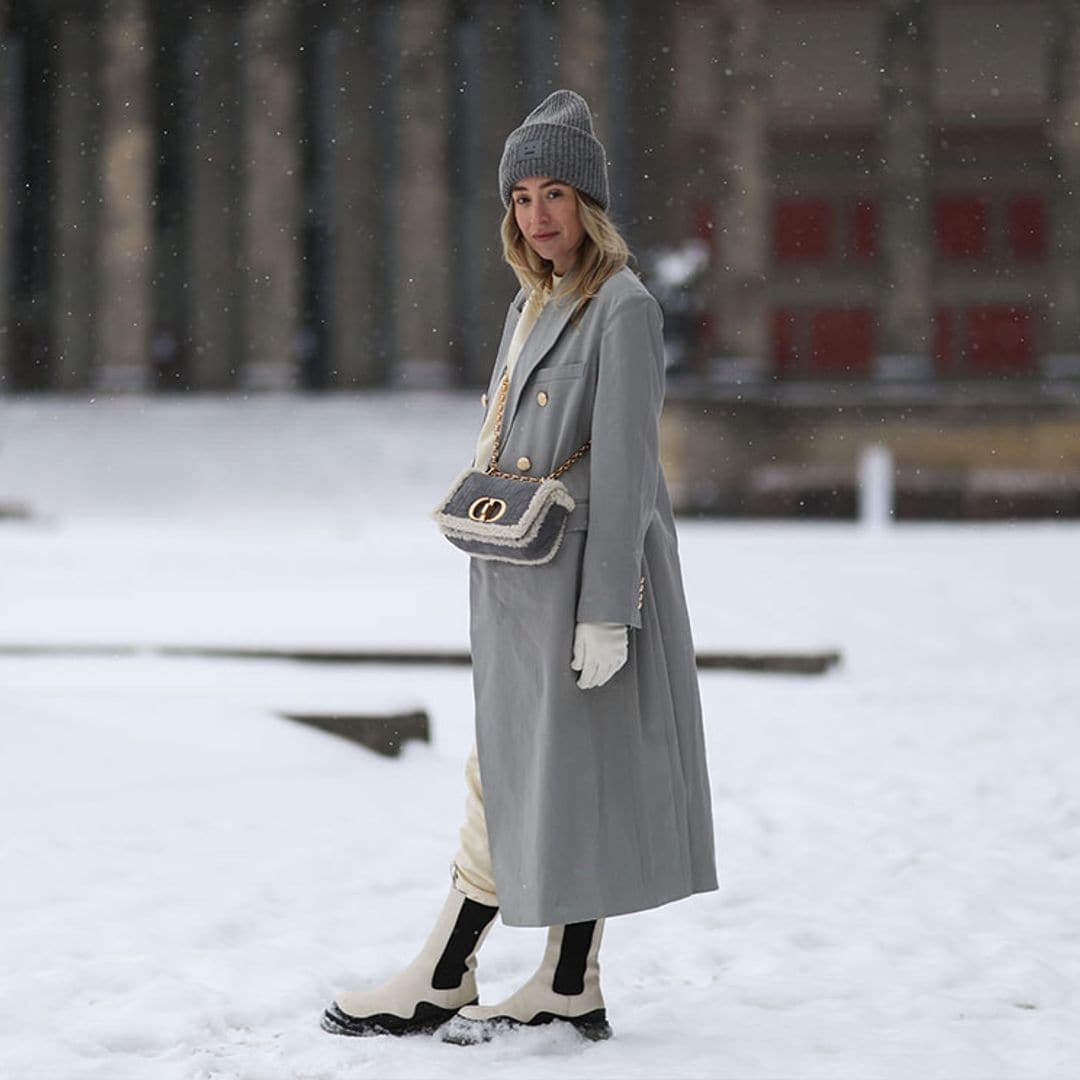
(530, 149)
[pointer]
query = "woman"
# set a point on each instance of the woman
(594, 798)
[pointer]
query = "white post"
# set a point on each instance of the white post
(875, 486)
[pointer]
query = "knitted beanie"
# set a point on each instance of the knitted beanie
(556, 139)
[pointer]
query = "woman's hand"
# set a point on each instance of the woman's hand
(599, 651)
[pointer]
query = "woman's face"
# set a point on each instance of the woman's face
(547, 215)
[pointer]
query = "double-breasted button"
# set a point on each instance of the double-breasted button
(541, 398)
(524, 464)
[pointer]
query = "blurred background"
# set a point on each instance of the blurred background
(861, 219)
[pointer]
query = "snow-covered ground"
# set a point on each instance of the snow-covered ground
(186, 878)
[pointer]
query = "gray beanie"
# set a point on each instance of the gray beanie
(556, 139)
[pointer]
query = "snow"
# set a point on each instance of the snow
(186, 878)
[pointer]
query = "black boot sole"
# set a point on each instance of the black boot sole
(425, 1020)
(593, 1026)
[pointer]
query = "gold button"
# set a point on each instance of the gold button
(483, 400)
(524, 464)
(541, 398)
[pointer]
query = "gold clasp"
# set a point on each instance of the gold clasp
(487, 508)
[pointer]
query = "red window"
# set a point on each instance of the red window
(863, 236)
(802, 229)
(962, 226)
(842, 340)
(1025, 215)
(998, 338)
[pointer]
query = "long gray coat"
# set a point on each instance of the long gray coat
(597, 801)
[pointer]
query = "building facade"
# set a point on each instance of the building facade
(263, 193)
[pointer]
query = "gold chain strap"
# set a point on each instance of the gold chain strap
(575, 457)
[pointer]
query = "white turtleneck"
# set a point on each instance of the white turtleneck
(531, 312)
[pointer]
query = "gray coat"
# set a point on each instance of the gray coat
(597, 801)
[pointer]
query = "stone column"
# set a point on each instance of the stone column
(591, 42)
(7, 98)
(1063, 315)
(693, 114)
(127, 173)
(76, 224)
(357, 237)
(491, 107)
(904, 126)
(738, 274)
(645, 166)
(583, 56)
(210, 76)
(420, 203)
(691, 217)
(271, 185)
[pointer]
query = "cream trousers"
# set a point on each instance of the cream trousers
(472, 871)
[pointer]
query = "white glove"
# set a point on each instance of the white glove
(599, 651)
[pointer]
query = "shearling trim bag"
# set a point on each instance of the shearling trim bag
(504, 516)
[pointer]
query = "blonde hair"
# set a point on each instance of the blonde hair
(603, 252)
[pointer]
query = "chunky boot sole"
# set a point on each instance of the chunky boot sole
(426, 1020)
(462, 1031)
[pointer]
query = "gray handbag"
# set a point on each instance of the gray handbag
(505, 516)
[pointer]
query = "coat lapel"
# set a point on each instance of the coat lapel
(542, 337)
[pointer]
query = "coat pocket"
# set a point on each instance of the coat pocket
(572, 370)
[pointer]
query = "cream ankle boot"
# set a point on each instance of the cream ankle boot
(565, 987)
(431, 989)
